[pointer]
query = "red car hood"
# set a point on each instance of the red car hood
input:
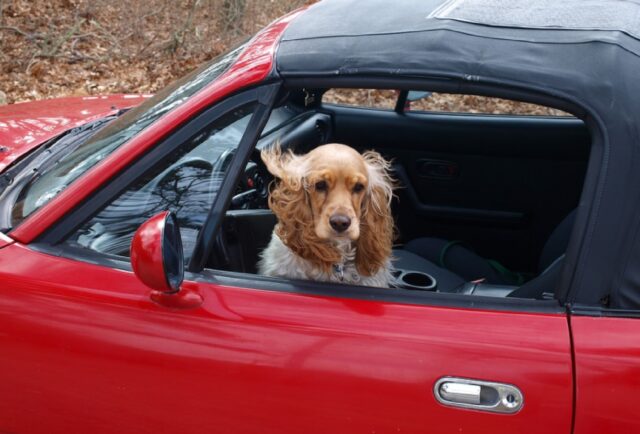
(24, 126)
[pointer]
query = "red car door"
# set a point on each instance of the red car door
(86, 350)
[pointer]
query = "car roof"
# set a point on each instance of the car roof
(463, 37)
(333, 18)
(577, 55)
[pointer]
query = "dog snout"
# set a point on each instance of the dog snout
(340, 222)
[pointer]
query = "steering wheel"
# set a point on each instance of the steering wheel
(252, 193)
(253, 187)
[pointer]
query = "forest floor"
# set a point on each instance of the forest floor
(53, 48)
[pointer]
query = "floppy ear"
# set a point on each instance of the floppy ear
(376, 226)
(279, 164)
(289, 202)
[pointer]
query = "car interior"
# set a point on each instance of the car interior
(485, 204)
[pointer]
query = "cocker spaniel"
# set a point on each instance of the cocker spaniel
(334, 216)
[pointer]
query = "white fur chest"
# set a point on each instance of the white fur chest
(277, 260)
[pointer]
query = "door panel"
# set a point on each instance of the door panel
(607, 360)
(500, 184)
(84, 349)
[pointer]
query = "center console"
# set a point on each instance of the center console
(420, 281)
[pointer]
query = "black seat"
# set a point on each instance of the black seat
(465, 265)
(246, 233)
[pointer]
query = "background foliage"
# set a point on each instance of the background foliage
(52, 48)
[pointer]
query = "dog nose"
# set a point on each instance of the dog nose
(339, 222)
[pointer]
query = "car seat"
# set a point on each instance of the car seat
(451, 262)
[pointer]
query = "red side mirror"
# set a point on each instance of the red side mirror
(156, 253)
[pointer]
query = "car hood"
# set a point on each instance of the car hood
(25, 126)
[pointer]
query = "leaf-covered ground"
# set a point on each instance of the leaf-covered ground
(52, 48)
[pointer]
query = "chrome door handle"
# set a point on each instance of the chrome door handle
(478, 395)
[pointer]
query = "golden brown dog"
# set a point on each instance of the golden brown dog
(334, 217)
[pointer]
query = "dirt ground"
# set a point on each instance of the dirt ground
(52, 48)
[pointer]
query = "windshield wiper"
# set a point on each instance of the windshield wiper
(22, 171)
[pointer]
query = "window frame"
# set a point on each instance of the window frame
(400, 107)
(53, 237)
(404, 97)
(567, 292)
(321, 289)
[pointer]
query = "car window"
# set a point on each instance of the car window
(423, 101)
(279, 116)
(186, 184)
(369, 98)
(467, 103)
(82, 157)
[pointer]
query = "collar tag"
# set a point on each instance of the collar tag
(338, 269)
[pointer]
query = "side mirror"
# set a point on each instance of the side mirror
(156, 253)
(158, 261)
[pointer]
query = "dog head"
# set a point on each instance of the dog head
(331, 195)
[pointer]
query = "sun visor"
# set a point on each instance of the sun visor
(621, 16)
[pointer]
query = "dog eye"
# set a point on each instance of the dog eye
(321, 185)
(358, 188)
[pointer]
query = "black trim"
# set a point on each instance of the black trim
(33, 163)
(583, 310)
(83, 254)
(322, 289)
(569, 285)
(64, 227)
(438, 127)
(206, 237)
(444, 85)
(401, 101)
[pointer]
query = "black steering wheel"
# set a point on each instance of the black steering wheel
(252, 193)
(253, 188)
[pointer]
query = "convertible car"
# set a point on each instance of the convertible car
(130, 229)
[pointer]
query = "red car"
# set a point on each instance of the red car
(523, 314)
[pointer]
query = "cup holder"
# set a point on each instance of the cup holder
(410, 279)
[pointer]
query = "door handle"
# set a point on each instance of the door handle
(438, 169)
(478, 395)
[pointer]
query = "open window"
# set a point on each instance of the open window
(487, 198)
(485, 205)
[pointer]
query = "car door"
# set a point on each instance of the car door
(85, 348)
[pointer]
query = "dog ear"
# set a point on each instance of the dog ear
(273, 159)
(376, 227)
(285, 166)
(289, 202)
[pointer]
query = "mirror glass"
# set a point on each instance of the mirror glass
(172, 254)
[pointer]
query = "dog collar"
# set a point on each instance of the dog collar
(338, 270)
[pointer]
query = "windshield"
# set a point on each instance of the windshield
(46, 185)
(186, 183)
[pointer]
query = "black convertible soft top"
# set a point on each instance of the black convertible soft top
(578, 55)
